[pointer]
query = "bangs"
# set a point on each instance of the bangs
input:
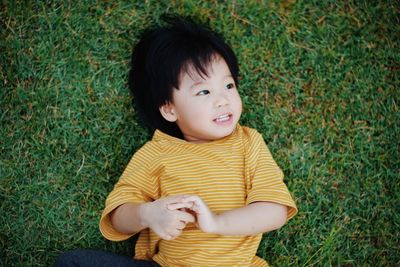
(197, 67)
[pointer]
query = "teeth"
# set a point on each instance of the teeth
(222, 118)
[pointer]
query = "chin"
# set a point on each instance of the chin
(226, 133)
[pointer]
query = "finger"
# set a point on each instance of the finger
(174, 199)
(186, 217)
(180, 225)
(166, 237)
(175, 233)
(180, 205)
(194, 199)
(195, 208)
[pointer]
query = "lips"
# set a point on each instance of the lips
(223, 118)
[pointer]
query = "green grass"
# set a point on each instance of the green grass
(319, 79)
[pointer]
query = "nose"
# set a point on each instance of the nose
(221, 100)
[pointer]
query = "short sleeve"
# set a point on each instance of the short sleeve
(264, 177)
(136, 185)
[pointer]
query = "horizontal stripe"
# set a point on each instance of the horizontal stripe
(226, 174)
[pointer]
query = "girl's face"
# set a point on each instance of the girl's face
(205, 108)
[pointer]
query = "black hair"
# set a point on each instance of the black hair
(162, 54)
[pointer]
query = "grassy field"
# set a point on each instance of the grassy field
(319, 79)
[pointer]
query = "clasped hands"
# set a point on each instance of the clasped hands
(168, 216)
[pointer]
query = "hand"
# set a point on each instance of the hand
(206, 220)
(165, 222)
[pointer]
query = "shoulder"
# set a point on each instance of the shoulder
(150, 147)
(250, 135)
(146, 155)
(154, 150)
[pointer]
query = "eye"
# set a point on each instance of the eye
(230, 86)
(203, 92)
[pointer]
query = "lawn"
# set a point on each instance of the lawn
(319, 79)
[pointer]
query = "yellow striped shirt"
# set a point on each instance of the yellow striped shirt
(228, 173)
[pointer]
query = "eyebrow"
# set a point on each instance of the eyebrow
(196, 83)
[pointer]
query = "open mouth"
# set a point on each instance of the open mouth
(223, 118)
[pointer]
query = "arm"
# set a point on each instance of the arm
(130, 218)
(255, 218)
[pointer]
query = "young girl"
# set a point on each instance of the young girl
(205, 188)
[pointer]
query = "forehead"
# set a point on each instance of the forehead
(215, 67)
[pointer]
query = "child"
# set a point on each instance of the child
(205, 188)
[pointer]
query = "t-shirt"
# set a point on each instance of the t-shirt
(227, 173)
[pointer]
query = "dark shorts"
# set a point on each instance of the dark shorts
(89, 258)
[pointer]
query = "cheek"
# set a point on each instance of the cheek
(194, 112)
(238, 102)
(199, 113)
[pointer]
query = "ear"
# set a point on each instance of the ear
(167, 111)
